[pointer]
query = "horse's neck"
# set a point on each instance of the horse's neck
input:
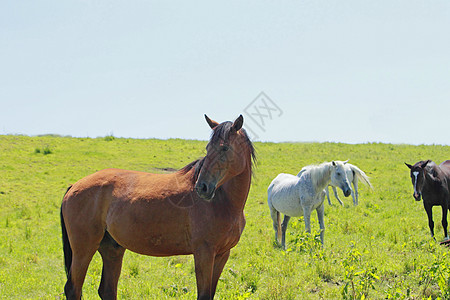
(237, 188)
(322, 177)
(430, 183)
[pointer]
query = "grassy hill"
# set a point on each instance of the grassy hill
(381, 248)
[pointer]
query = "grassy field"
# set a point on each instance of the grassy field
(380, 249)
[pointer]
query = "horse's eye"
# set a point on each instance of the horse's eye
(338, 173)
(225, 148)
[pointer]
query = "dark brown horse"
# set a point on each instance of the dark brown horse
(197, 210)
(432, 183)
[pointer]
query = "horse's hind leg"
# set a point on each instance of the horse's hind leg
(444, 220)
(112, 256)
(77, 273)
(283, 231)
(355, 191)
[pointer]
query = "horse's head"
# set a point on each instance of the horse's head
(226, 156)
(339, 177)
(418, 173)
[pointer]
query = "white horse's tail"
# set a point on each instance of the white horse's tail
(360, 175)
(279, 226)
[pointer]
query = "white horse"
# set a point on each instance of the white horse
(353, 174)
(296, 196)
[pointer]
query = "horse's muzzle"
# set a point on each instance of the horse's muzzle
(347, 192)
(417, 196)
(204, 190)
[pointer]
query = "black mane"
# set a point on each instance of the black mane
(197, 164)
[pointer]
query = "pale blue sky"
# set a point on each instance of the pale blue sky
(345, 71)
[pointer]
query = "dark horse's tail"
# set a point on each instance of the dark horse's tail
(66, 244)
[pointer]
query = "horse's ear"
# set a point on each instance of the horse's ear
(424, 164)
(210, 122)
(408, 165)
(344, 162)
(238, 123)
(333, 163)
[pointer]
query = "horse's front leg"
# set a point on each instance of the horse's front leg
(307, 218)
(444, 219)
(204, 261)
(219, 263)
(327, 192)
(336, 195)
(320, 215)
(429, 211)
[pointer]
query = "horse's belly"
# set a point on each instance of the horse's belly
(157, 230)
(165, 249)
(288, 205)
(153, 244)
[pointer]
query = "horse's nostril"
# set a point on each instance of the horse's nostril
(347, 193)
(205, 190)
(202, 187)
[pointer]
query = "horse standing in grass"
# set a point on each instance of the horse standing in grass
(296, 196)
(353, 174)
(197, 210)
(432, 183)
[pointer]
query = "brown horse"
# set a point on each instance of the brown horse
(197, 210)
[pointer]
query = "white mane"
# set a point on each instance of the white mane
(320, 174)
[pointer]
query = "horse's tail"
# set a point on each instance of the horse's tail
(279, 226)
(361, 175)
(272, 210)
(66, 244)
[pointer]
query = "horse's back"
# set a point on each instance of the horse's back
(445, 166)
(283, 195)
(93, 194)
(98, 187)
(121, 184)
(282, 182)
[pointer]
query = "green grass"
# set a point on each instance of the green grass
(380, 249)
